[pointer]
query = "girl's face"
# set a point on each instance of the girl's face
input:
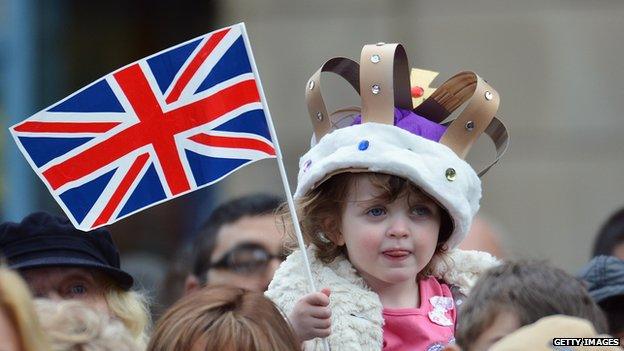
(388, 243)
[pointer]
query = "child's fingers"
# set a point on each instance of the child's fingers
(321, 312)
(317, 299)
(322, 333)
(326, 291)
(321, 323)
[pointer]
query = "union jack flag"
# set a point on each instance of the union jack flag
(153, 130)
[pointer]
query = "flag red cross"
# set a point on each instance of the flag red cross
(154, 127)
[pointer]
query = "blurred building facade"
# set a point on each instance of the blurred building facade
(557, 65)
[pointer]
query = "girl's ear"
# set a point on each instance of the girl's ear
(332, 232)
(339, 240)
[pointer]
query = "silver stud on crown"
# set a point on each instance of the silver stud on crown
(450, 174)
(470, 126)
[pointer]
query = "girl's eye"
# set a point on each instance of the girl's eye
(78, 289)
(376, 211)
(421, 211)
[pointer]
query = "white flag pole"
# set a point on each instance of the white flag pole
(282, 169)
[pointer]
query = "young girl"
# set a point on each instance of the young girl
(383, 202)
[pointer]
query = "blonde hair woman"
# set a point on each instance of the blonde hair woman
(226, 319)
(19, 327)
(59, 261)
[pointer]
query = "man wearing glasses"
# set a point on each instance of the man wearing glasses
(240, 245)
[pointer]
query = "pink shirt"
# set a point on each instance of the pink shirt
(427, 328)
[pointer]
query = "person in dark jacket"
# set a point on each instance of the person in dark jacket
(604, 276)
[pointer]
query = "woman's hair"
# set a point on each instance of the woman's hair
(131, 308)
(225, 319)
(530, 290)
(16, 302)
(611, 234)
(320, 211)
(72, 325)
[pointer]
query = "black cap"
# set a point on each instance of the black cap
(45, 240)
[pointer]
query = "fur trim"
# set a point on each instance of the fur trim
(389, 149)
(462, 268)
(356, 310)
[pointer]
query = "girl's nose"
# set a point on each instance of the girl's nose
(399, 228)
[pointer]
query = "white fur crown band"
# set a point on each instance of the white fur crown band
(388, 149)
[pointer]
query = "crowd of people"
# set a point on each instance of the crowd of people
(384, 205)
(62, 289)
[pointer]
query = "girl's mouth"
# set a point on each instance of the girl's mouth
(396, 254)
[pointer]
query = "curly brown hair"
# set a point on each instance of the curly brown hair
(320, 211)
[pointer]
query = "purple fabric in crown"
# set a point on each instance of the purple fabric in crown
(414, 124)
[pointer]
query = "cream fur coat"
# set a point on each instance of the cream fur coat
(356, 310)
